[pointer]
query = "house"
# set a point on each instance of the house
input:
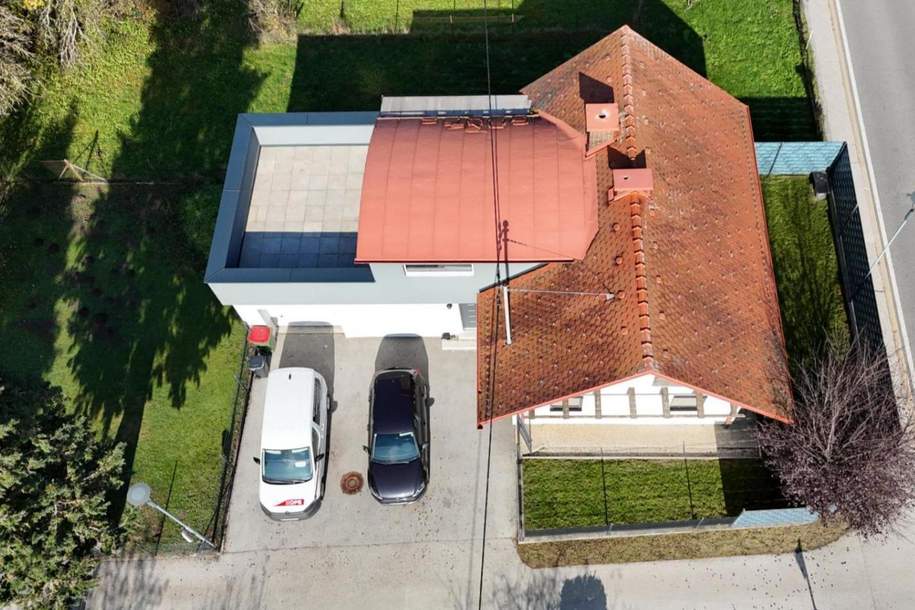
(618, 194)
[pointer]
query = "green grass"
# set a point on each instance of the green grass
(806, 268)
(100, 293)
(158, 98)
(586, 493)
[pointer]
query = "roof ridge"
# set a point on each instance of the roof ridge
(628, 97)
(641, 278)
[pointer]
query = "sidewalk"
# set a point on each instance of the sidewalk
(842, 122)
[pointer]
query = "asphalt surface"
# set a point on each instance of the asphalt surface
(880, 35)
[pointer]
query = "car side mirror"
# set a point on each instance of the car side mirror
(430, 401)
(257, 460)
(425, 446)
(319, 457)
(365, 448)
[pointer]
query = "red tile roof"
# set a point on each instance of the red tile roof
(427, 194)
(689, 262)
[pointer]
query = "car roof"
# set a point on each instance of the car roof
(288, 408)
(392, 402)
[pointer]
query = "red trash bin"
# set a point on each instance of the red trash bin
(262, 335)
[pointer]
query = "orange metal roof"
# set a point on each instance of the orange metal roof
(427, 194)
(688, 261)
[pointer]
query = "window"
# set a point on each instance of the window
(574, 406)
(683, 404)
(395, 448)
(319, 395)
(287, 466)
(437, 270)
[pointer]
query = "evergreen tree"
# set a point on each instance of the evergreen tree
(55, 478)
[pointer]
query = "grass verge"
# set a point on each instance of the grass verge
(586, 493)
(678, 545)
(806, 268)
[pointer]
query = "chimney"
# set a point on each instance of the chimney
(637, 180)
(602, 122)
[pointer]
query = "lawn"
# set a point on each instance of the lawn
(806, 268)
(100, 293)
(593, 493)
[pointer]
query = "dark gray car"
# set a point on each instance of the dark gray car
(398, 436)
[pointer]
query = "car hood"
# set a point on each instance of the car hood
(294, 498)
(396, 481)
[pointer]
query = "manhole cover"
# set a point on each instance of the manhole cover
(351, 483)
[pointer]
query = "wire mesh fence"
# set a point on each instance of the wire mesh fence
(605, 492)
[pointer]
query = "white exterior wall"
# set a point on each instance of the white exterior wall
(614, 401)
(363, 320)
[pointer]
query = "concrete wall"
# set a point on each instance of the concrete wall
(382, 283)
(369, 320)
(649, 406)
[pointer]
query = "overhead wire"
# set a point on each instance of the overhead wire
(500, 246)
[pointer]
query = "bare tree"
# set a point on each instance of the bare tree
(271, 16)
(849, 453)
(15, 59)
(62, 26)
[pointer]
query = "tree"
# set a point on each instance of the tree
(15, 59)
(849, 453)
(55, 477)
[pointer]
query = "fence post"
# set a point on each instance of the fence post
(603, 483)
(689, 487)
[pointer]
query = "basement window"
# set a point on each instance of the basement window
(438, 270)
(683, 404)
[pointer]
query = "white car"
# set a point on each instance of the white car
(293, 456)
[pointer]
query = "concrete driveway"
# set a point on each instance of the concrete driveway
(451, 509)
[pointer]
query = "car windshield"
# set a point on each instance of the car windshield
(395, 448)
(287, 466)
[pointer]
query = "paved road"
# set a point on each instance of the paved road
(880, 36)
(849, 574)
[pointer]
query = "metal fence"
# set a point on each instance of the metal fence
(851, 248)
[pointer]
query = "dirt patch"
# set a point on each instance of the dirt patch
(678, 545)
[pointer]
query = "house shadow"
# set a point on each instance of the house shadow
(403, 352)
(352, 72)
(312, 347)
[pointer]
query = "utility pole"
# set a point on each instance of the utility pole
(503, 241)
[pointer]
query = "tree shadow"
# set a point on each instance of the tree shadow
(144, 319)
(127, 579)
(748, 485)
(36, 225)
(546, 590)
